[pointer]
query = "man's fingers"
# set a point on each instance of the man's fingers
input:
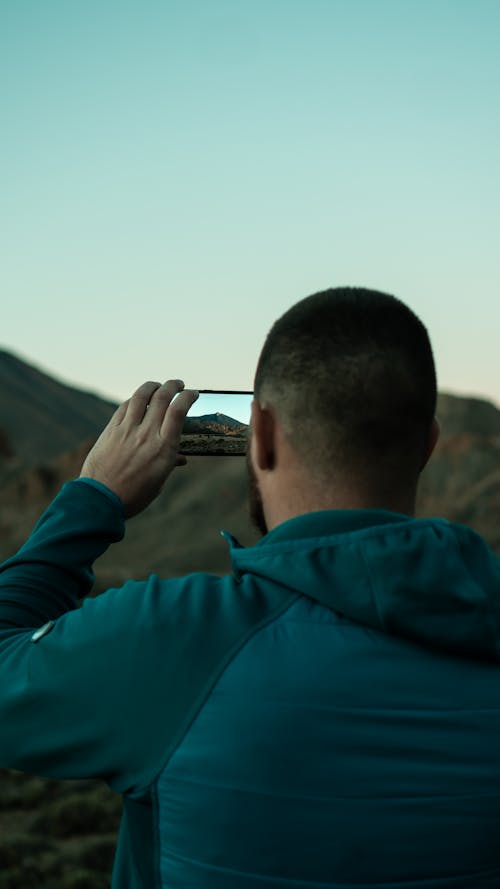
(119, 414)
(160, 401)
(176, 414)
(138, 404)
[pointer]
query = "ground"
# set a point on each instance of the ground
(56, 834)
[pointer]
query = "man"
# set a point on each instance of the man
(328, 715)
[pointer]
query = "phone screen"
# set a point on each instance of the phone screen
(217, 424)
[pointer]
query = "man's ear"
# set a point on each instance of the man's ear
(263, 436)
(432, 442)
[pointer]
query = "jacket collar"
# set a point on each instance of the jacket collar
(330, 521)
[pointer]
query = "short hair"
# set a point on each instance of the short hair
(351, 375)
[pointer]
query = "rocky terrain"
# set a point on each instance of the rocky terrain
(54, 834)
(214, 434)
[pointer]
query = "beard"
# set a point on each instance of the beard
(255, 505)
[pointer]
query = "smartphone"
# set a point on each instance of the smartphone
(217, 424)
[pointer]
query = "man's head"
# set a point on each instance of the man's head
(345, 395)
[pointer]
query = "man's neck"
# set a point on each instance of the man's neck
(297, 502)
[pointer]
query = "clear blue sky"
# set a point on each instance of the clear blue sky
(176, 174)
(236, 406)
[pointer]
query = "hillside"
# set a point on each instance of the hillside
(213, 424)
(462, 479)
(43, 417)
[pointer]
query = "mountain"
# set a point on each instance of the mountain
(474, 416)
(42, 417)
(180, 531)
(214, 424)
(462, 479)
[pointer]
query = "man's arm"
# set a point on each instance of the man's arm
(60, 687)
(129, 463)
(53, 570)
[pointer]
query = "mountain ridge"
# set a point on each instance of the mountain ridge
(214, 424)
(55, 416)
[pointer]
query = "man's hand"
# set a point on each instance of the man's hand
(138, 449)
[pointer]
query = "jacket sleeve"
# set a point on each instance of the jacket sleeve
(108, 690)
(53, 570)
(63, 689)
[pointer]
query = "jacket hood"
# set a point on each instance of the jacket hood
(428, 580)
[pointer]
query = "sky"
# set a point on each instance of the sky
(237, 406)
(175, 174)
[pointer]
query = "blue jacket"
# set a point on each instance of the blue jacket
(326, 716)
